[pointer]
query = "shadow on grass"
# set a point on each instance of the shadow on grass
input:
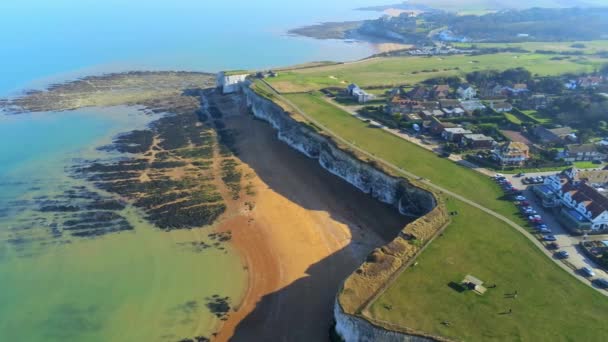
(457, 287)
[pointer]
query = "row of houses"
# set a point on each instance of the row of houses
(580, 197)
(584, 82)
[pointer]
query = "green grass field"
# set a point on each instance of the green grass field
(591, 47)
(550, 306)
(513, 119)
(411, 70)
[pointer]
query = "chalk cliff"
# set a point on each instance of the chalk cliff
(385, 262)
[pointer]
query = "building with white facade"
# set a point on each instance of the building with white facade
(230, 82)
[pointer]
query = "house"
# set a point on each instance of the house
(451, 107)
(553, 136)
(501, 106)
(412, 117)
(512, 154)
(466, 92)
(477, 141)
(427, 114)
(440, 91)
(582, 152)
(399, 105)
(454, 134)
(583, 207)
(517, 89)
(537, 101)
(351, 88)
(436, 127)
(571, 84)
(589, 81)
(472, 105)
(453, 112)
(492, 90)
(595, 178)
(358, 94)
(419, 93)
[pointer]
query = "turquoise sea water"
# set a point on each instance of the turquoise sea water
(140, 285)
(42, 41)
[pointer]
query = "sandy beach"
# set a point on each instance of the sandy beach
(306, 232)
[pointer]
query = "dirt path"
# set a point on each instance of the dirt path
(307, 232)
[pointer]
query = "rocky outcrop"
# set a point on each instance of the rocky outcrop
(410, 200)
(385, 263)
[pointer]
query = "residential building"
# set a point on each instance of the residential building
(466, 92)
(399, 105)
(455, 134)
(517, 89)
(358, 94)
(553, 136)
(419, 93)
(436, 127)
(427, 114)
(501, 106)
(590, 81)
(582, 152)
(583, 208)
(477, 141)
(441, 91)
(453, 112)
(512, 154)
(472, 105)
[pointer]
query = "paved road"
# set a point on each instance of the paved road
(428, 183)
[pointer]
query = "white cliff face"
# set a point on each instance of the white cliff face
(356, 329)
(395, 191)
(408, 199)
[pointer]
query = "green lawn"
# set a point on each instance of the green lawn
(513, 119)
(411, 70)
(550, 306)
(537, 116)
(591, 47)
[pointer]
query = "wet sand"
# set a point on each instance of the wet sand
(307, 232)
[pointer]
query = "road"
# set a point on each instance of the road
(440, 189)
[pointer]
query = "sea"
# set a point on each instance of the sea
(140, 285)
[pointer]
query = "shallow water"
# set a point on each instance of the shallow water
(130, 286)
(44, 41)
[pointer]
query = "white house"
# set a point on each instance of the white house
(230, 82)
(466, 92)
(583, 206)
(358, 94)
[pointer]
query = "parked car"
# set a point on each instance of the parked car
(587, 272)
(535, 219)
(541, 226)
(520, 198)
(549, 238)
(545, 231)
(521, 174)
(499, 175)
(562, 255)
(601, 283)
(553, 246)
(525, 203)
